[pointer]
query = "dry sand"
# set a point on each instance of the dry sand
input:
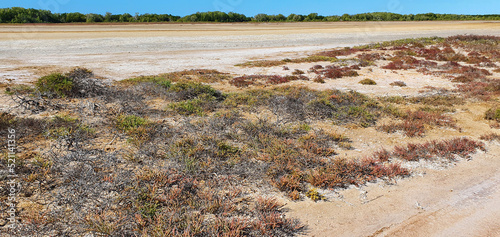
(121, 51)
(463, 200)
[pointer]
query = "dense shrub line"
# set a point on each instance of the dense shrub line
(22, 15)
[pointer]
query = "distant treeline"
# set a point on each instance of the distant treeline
(23, 15)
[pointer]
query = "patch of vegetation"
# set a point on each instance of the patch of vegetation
(274, 63)
(490, 137)
(300, 103)
(430, 100)
(245, 81)
(492, 114)
(415, 122)
(55, 85)
(319, 79)
(398, 83)
(334, 72)
(129, 122)
(447, 149)
(19, 89)
(420, 42)
(367, 82)
(197, 106)
(314, 195)
(297, 72)
(191, 90)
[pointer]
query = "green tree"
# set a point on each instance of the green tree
(91, 17)
(75, 17)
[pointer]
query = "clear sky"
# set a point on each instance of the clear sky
(252, 7)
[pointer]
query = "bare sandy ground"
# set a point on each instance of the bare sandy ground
(462, 200)
(121, 51)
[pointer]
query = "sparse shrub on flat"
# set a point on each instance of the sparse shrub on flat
(341, 52)
(188, 107)
(297, 72)
(262, 63)
(398, 83)
(273, 63)
(410, 42)
(438, 100)
(334, 72)
(408, 62)
(490, 137)
(447, 149)
(370, 57)
(367, 82)
(319, 79)
(317, 67)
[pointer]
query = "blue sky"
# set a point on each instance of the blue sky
(252, 7)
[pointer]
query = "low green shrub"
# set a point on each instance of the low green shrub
(55, 85)
(19, 89)
(314, 195)
(367, 82)
(129, 122)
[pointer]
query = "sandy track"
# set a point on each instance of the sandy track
(461, 201)
(121, 51)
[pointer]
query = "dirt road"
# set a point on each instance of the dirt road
(121, 51)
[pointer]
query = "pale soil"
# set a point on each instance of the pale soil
(461, 200)
(121, 51)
